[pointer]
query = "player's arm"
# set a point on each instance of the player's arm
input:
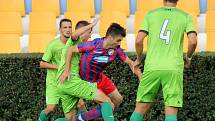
(143, 32)
(192, 43)
(46, 65)
(81, 30)
(48, 55)
(66, 73)
(135, 70)
(139, 45)
(192, 40)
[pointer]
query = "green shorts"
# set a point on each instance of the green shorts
(74, 89)
(52, 94)
(171, 83)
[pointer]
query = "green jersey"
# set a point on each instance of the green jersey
(75, 59)
(52, 55)
(165, 27)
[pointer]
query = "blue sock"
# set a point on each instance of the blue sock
(171, 118)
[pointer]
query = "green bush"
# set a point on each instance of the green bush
(22, 92)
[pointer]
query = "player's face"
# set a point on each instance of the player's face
(66, 29)
(116, 41)
(85, 36)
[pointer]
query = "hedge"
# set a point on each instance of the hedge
(22, 92)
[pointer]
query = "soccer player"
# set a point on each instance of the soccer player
(74, 88)
(50, 61)
(96, 55)
(164, 63)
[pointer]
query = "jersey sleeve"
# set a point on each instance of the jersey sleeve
(121, 54)
(86, 46)
(190, 26)
(144, 27)
(48, 54)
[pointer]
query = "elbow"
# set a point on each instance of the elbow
(41, 64)
(193, 43)
(139, 42)
(74, 37)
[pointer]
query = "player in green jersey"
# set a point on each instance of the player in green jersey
(164, 63)
(74, 88)
(50, 61)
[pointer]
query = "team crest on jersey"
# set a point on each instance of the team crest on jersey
(110, 52)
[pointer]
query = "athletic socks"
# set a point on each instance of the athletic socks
(42, 116)
(107, 111)
(136, 117)
(89, 115)
(61, 119)
(171, 118)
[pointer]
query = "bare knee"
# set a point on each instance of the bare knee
(49, 109)
(171, 110)
(142, 108)
(117, 100)
(101, 97)
(71, 116)
(81, 105)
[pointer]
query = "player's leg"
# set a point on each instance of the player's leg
(52, 98)
(107, 86)
(172, 86)
(81, 106)
(89, 91)
(147, 91)
(69, 104)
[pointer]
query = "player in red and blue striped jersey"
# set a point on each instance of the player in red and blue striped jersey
(96, 56)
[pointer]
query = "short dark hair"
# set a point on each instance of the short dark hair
(172, 1)
(115, 29)
(81, 23)
(64, 20)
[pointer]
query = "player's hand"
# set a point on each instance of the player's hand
(187, 63)
(95, 21)
(138, 72)
(64, 76)
(137, 64)
(137, 69)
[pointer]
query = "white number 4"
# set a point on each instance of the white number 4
(165, 36)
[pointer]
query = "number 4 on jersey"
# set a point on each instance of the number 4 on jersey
(165, 34)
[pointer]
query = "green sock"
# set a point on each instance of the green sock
(61, 119)
(80, 111)
(42, 116)
(136, 117)
(171, 118)
(107, 112)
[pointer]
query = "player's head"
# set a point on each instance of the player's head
(65, 27)
(171, 1)
(115, 34)
(85, 36)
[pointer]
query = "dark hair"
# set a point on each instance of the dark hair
(172, 1)
(81, 23)
(115, 29)
(64, 20)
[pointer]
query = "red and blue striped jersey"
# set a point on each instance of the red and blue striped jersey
(95, 58)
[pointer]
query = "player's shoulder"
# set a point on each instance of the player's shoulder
(97, 41)
(179, 11)
(54, 41)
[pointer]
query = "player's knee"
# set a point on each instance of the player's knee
(50, 109)
(81, 105)
(118, 101)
